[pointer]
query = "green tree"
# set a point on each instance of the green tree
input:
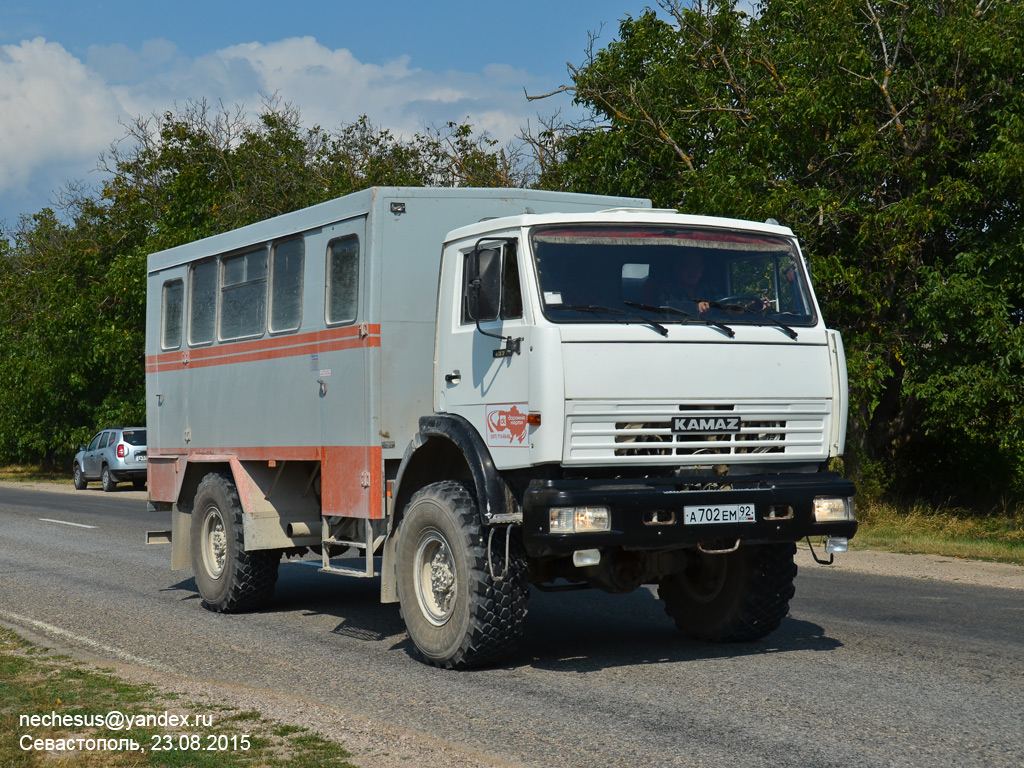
(49, 377)
(890, 136)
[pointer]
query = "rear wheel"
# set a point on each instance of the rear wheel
(229, 578)
(736, 597)
(107, 479)
(458, 614)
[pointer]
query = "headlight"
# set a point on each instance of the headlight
(580, 519)
(828, 510)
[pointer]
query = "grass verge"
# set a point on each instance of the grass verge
(997, 537)
(35, 682)
(19, 474)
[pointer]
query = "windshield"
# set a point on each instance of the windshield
(633, 274)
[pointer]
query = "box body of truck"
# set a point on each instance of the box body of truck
(491, 388)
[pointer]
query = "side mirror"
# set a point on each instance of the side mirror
(483, 297)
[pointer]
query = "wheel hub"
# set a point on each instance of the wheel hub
(435, 579)
(441, 577)
(216, 551)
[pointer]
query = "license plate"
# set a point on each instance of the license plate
(719, 514)
(140, 457)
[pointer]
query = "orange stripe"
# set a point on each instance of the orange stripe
(274, 342)
(258, 453)
(265, 349)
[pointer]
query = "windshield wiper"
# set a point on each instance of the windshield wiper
(684, 313)
(598, 309)
(770, 320)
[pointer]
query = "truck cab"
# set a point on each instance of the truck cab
(641, 430)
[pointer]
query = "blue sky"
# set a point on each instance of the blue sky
(73, 72)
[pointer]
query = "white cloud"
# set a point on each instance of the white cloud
(53, 112)
(58, 113)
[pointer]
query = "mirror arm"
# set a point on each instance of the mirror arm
(512, 346)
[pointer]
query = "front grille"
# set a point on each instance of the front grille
(636, 440)
(642, 434)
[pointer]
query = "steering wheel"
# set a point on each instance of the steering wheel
(739, 299)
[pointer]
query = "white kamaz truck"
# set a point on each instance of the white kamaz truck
(466, 392)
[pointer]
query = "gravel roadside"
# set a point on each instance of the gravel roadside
(376, 744)
(936, 567)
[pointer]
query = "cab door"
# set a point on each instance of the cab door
(483, 367)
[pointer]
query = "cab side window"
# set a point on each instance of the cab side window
(511, 302)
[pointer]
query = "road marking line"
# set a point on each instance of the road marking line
(65, 522)
(117, 653)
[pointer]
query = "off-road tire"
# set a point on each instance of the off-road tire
(458, 615)
(80, 482)
(229, 578)
(107, 479)
(737, 597)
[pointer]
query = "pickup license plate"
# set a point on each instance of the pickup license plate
(718, 514)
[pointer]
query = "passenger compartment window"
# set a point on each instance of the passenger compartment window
(342, 280)
(202, 308)
(243, 295)
(286, 285)
(171, 314)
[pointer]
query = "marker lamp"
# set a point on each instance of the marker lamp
(580, 519)
(831, 510)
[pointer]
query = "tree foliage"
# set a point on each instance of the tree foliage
(72, 288)
(890, 136)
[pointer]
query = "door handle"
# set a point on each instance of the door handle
(453, 378)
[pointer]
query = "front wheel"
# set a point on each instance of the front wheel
(80, 482)
(734, 597)
(457, 613)
(228, 577)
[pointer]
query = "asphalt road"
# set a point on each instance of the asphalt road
(866, 671)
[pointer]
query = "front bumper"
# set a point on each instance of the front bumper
(647, 513)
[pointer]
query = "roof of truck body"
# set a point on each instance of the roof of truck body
(364, 202)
